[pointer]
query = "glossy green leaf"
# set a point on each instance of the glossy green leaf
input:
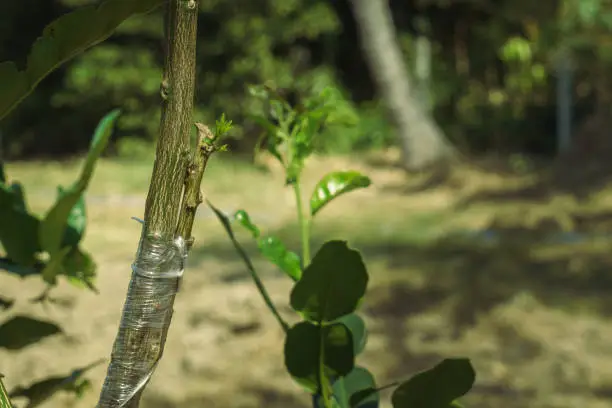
(307, 346)
(53, 227)
(62, 39)
(358, 330)
(332, 285)
(245, 220)
(21, 331)
(4, 399)
(334, 185)
(40, 391)
(437, 387)
(275, 251)
(272, 248)
(18, 228)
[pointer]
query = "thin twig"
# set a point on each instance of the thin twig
(192, 196)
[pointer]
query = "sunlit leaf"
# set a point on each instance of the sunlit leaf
(76, 222)
(334, 185)
(53, 227)
(272, 248)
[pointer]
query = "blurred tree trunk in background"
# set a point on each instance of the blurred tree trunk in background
(421, 140)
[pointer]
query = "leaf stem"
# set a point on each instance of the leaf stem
(323, 383)
(260, 286)
(304, 222)
(192, 196)
(5, 402)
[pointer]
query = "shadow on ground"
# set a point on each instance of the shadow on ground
(463, 291)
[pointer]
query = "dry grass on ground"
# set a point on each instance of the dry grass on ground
(530, 313)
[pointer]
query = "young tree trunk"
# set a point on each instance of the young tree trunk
(157, 270)
(421, 140)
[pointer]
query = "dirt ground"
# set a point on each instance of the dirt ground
(533, 317)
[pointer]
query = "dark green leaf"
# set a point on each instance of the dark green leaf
(358, 330)
(21, 331)
(14, 86)
(53, 227)
(18, 196)
(332, 285)
(4, 398)
(63, 39)
(334, 185)
(304, 354)
(437, 387)
(2, 172)
(18, 228)
(272, 248)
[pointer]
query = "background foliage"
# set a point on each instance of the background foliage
(492, 78)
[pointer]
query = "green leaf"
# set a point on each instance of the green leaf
(53, 227)
(272, 248)
(76, 223)
(55, 266)
(62, 39)
(14, 86)
(18, 228)
(437, 387)
(361, 387)
(308, 345)
(358, 330)
(332, 285)
(80, 269)
(275, 251)
(245, 220)
(21, 331)
(2, 172)
(335, 184)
